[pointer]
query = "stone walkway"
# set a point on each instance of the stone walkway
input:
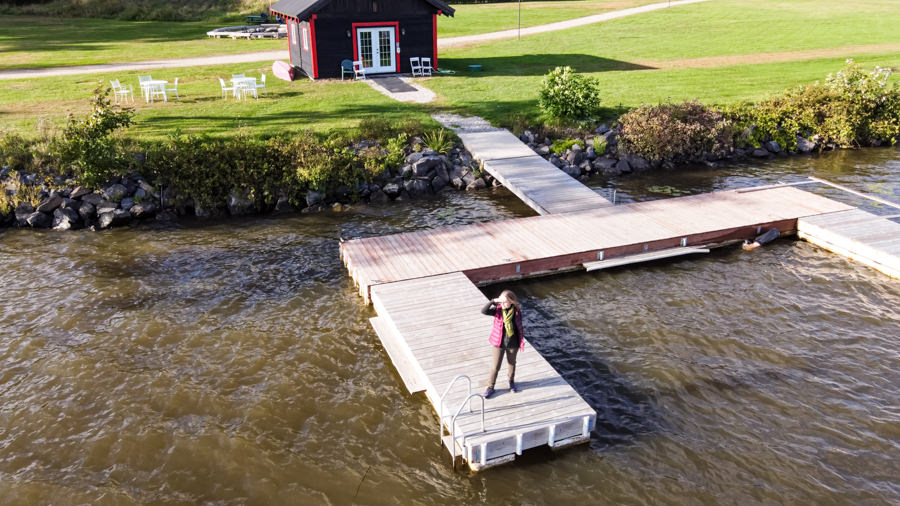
(401, 88)
(283, 55)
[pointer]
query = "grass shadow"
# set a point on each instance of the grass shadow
(536, 64)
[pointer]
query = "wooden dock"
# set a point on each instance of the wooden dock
(406, 275)
(864, 237)
(430, 348)
(445, 350)
(513, 249)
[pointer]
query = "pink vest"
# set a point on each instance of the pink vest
(497, 332)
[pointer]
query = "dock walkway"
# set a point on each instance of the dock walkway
(541, 185)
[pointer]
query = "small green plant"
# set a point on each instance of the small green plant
(600, 145)
(569, 96)
(438, 140)
(560, 146)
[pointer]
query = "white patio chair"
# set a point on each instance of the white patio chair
(121, 92)
(174, 88)
(244, 88)
(262, 85)
(158, 90)
(426, 66)
(145, 91)
(225, 89)
(415, 65)
(359, 71)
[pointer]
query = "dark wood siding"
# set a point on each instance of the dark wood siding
(334, 45)
(350, 8)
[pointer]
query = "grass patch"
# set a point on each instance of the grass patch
(470, 19)
(53, 42)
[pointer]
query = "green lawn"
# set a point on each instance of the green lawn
(750, 51)
(53, 42)
(483, 18)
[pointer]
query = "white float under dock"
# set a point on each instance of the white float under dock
(864, 237)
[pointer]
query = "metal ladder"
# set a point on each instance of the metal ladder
(452, 427)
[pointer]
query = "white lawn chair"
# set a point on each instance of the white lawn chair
(262, 85)
(415, 65)
(121, 92)
(244, 88)
(157, 90)
(174, 88)
(359, 71)
(426, 66)
(225, 89)
(143, 83)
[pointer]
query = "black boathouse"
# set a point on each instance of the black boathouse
(384, 34)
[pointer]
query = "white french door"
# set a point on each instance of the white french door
(377, 49)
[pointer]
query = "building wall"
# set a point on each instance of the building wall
(415, 37)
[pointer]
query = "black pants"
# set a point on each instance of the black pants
(498, 360)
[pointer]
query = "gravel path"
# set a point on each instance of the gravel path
(283, 54)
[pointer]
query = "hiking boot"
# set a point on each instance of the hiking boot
(488, 392)
(512, 386)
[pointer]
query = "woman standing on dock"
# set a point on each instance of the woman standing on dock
(506, 336)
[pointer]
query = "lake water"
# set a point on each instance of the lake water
(233, 363)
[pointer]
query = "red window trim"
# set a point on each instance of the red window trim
(395, 24)
(434, 38)
(315, 53)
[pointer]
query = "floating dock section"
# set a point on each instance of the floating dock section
(864, 237)
(434, 332)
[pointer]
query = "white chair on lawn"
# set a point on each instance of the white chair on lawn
(359, 71)
(225, 89)
(244, 88)
(415, 66)
(262, 85)
(158, 90)
(121, 92)
(143, 82)
(174, 88)
(426, 66)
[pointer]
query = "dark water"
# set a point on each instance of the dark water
(233, 363)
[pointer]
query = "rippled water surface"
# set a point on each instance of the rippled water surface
(233, 363)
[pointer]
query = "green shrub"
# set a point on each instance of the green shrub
(569, 96)
(88, 147)
(560, 146)
(675, 132)
(851, 108)
(15, 151)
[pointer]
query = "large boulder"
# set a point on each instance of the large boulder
(114, 218)
(602, 129)
(314, 198)
(623, 167)
(441, 179)
(805, 145)
(143, 210)
(573, 171)
(477, 184)
(417, 187)
(115, 192)
(239, 204)
(527, 137)
(773, 147)
(105, 207)
(378, 197)
(426, 166)
(22, 212)
(760, 153)
(414, 157)
(636, 162)
(79, 191)
(392, 190)
(38, 219)
(575, 156)
(87, 212)
(65, 219)
(50, 204)
(603, 164)
(93, 198)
